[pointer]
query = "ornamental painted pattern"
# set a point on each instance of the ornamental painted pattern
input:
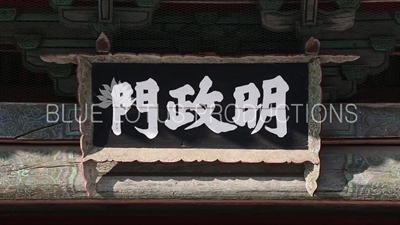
(373, 176)
(22, 170)
(33, 121)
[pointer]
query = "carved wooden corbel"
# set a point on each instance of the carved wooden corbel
(28, 42)
(106, 11)
(348, 4)
(338, 20)
(271, 5)
(309, 26)
(383, 44)
(7, 14)
(103, 44)
(355, 72)
(59, 71)
(309, 9)
(108, 16)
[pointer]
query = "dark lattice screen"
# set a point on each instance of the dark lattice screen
(381, 88)
(226, 28)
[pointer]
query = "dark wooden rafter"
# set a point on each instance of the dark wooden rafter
(309, 12)
(373, 48)
(106, 10)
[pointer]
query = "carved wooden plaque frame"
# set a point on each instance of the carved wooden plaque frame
(92, 155)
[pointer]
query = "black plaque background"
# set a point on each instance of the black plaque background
(225, 77)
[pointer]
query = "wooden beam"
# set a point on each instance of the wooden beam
(342, 121)
(53, 173)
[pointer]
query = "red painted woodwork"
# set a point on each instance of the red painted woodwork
(203, 220)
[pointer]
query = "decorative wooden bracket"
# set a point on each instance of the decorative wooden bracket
(7, 14)
(348, 4)
(309, 27)
(271, 5)
(103, 44)
(397, 16)
(312, 46)
(307, 31)
(148, 3)
(309, 10)
(105, 28)
(55, 4)
(59, 71)
(279, 21)
(128, 18)
(355, 72)
(106, 11)
(28, 42)
(383, 44)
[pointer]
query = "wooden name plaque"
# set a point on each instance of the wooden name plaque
(150, 108)
(200, 106)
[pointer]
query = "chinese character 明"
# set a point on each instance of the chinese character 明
(274, 94)
(246, 110)
(203, 106)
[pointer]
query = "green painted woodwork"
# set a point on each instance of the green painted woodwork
(62, 2)
(59, 71)
(28, 42)
(330, 71)
(379, 122)
(40, 168)
(345, 4)
(374, 175)
(271, 4)
(308, 31)
(46, 172)
(45, 17)
(147, 3)
(54, 43)
(105, 28)
(206, 18)
(355, 72)
(397, 16)
(55, 4)
(344, 44)
(7, 14)
(383, 44)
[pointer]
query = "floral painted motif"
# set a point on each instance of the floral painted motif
(21, 171)
(29, 121)
(372, 176)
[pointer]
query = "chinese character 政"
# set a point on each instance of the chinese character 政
(203, 105)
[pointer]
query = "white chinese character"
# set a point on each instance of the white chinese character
(122, 101)
(146, 101)
(203, 105)
(274, 94)
(246, 109)
(179, 117)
